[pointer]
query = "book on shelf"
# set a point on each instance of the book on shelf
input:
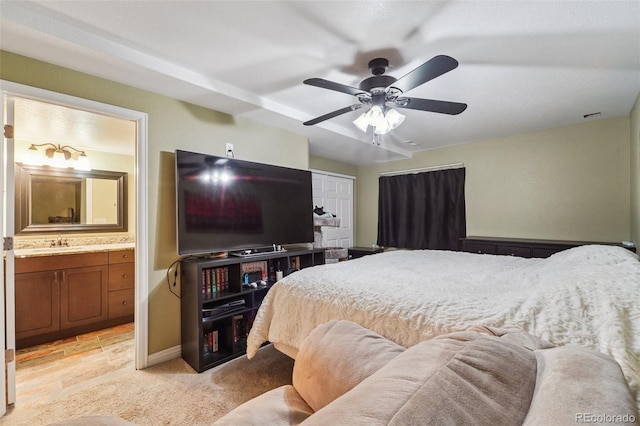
(214, 281)
(210, 342)
(238, 325)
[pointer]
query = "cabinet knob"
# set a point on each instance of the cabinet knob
(124, 275)
(124, 302)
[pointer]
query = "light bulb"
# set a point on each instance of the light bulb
(362, 122)
(83, 163)
(376, 116)
(33, 157)
(394, 118)
(382, 127)
(58, 160)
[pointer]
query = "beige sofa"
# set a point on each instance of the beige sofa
(347, 375)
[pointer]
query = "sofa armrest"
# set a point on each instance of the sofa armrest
(280, 406)
(575, 385)
(335, 357)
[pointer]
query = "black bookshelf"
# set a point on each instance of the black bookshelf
(217, 305)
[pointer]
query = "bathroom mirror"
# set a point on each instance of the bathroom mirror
(52, 200)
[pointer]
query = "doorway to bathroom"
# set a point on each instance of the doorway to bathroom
(110, 137)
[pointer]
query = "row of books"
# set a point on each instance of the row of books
(214, 281)
(239, 331)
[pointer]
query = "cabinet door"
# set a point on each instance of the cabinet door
(84, 296)
(37, 303)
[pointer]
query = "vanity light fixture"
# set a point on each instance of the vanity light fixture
(58, 156)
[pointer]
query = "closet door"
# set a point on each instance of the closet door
(335, 193)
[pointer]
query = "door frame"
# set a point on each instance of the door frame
(141, 337)
(7, 295)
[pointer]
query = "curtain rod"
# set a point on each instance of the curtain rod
(424, 169)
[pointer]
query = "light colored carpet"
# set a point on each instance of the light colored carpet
(170, 393)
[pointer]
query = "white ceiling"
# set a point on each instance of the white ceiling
(524, 65)
(38, 122)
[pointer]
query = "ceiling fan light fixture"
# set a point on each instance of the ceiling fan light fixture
(379, 90)
(381, 121)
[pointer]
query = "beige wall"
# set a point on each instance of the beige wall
(635, 173)
(570, 183)
(326, 165)
(172, 124)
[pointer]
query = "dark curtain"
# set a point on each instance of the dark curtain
(423, 210)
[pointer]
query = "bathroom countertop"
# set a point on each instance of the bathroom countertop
(52, 251)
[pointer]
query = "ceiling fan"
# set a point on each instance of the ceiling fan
(382, 92)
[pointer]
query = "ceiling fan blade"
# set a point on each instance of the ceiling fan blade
(431, 105)
(331, 85)
(333, 114)
(431, 69)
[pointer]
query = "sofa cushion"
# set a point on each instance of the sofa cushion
(280, 406)
(578, 385)
(335, 357)
(471, 377)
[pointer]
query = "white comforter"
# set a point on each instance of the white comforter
(588, 295)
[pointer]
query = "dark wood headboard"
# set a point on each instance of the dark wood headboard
(522, 247)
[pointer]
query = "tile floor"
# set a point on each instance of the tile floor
(65, 366)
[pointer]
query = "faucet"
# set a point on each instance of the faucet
(58, 242)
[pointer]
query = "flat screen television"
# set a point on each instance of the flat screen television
(225, 204)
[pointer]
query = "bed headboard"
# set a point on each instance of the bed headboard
(522, 247)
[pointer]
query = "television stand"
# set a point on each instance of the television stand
(217, 309)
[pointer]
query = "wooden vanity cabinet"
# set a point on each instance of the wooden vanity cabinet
(63, 295)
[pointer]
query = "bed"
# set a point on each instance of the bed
(588, 295)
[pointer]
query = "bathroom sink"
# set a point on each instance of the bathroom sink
(39, 251)
(51, 250)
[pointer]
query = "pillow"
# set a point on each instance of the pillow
(594, 254)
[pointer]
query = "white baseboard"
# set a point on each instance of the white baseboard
(165, 355)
